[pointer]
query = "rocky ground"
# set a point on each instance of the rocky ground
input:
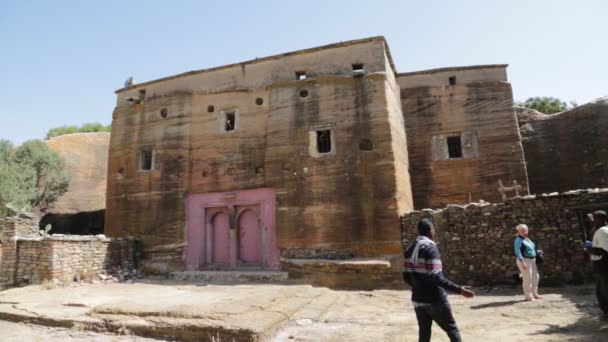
(280, 313)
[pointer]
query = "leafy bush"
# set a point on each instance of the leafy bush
(30, 175)
(547, 105)
(88, 127)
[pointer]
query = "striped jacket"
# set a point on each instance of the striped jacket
(423, 272)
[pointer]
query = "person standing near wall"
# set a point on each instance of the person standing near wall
(525, 252)
(423, 272)
(599, 251)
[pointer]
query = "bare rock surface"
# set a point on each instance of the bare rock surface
(86, 156)
(21, 332)
(173, 310)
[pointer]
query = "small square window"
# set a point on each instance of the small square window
(358, 68)
(142, 94)
(452, 80)
(300, 75)
(229, 121)
(454, 147)
(324, 141)
(146, 159)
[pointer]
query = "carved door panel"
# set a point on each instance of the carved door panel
(221, 239)
(249, 238)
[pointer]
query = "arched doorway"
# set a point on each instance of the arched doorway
(221, 239)
(249, 238)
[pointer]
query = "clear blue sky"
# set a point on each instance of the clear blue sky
(60, 61)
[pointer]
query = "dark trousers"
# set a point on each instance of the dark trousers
(441, 313)
(601, 290)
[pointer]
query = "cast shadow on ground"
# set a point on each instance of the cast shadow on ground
(496, 304)
(592, 326)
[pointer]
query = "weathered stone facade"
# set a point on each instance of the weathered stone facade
(475, 106)
(31, 259)
(568, 150)
(347, 200)
(476, 241)
(333, 131)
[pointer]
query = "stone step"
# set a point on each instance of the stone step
(231, 277)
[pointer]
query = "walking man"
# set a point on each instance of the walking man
(599, 252)
(423, 272)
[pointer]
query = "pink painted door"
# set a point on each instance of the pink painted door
(252, 242)
(249, 238)
(221, 239)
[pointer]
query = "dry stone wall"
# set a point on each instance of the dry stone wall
(33, 259)
(476, 241)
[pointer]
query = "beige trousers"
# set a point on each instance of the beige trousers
(530, 277)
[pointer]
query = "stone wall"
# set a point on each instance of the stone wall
(33, 259)
(476, 241)
(568, 150)
(474, 105)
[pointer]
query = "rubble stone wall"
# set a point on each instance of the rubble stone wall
(32, 260)
(476, 241)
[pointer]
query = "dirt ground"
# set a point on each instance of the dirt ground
(499, 314)
(280, 313)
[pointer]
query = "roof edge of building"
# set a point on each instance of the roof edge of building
(273, 57)
(455, 68)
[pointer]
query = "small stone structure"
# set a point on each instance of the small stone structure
(476, 241)
(28, 258)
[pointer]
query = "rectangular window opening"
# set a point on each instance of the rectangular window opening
(300, 75)
(146, 159)
(452, 80)
(324, 141)
(142, 94)
(229, 121)
(454, 147)
(358, 68)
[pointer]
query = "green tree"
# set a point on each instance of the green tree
(88, 127)
(11, 179)
(547, 105)
(45, 176)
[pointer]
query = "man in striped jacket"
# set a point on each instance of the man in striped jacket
(423, 272)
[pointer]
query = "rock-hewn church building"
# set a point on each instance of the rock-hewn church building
(308, 154)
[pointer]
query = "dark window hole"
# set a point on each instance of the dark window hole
(145, 159)
(324, 141)
(452, 80)
(229, 121)
(259, 101)
(300, 75)
(366, 145)
(454, 147)
(163, 113)
(210, 109)
(304, 93)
